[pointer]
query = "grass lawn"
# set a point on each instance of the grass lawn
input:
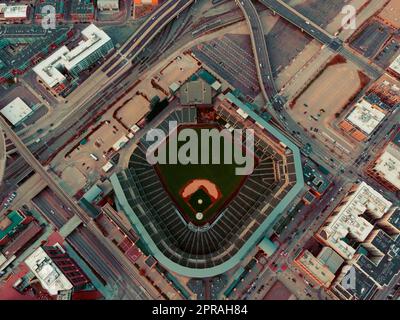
(176, 176)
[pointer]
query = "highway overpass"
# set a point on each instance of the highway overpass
(302, 22)
(120, 259)
(260, 50)
(153, 25)
(335, 44)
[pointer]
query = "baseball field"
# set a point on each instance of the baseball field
(210, 186)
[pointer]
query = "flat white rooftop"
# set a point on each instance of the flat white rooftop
(108, 4)
(388, 165)
(16, 11)
(16, 111)
(395, 65)
(366, 116)
(49, 275)
(348, 221)
(49, 70)
(3, 7)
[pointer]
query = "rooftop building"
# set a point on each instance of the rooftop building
(19, 242)
(9, 224)
(394, 221)
(366, 116)
(82, 10)
(16, 111)
(315, 179)
(196, 93)
(108, 5)
(353, 284)
(95, 44)
(93, 193)
(348, 220)
(395, 66)
(382, 263)
(47, 272)
(330, 258)
(55, 270)
(387, 165)
(315, 269)
(376, 262)
(14, 12)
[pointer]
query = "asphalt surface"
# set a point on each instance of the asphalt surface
(299, 20)
(86, 239)
(260, 50)
(102, 244)
(318, 33)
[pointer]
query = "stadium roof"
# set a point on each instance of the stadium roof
(16, 111)
(255, 236)
(196, 92)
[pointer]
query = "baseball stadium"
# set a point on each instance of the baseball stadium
(200, 220)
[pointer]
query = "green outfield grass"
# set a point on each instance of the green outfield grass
(176, 176)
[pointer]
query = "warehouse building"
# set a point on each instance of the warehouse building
(394, 67)
(108, 5)
(13, 13)
(16, 111)
(387, 166)
(196, 92)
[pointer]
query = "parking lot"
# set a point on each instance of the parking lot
(318, 108)
(231, 57)
(283, 53)
(391, 13)
(177, 70)
(321, 12)
(133, 110)
(370, 40)
(388, 53)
